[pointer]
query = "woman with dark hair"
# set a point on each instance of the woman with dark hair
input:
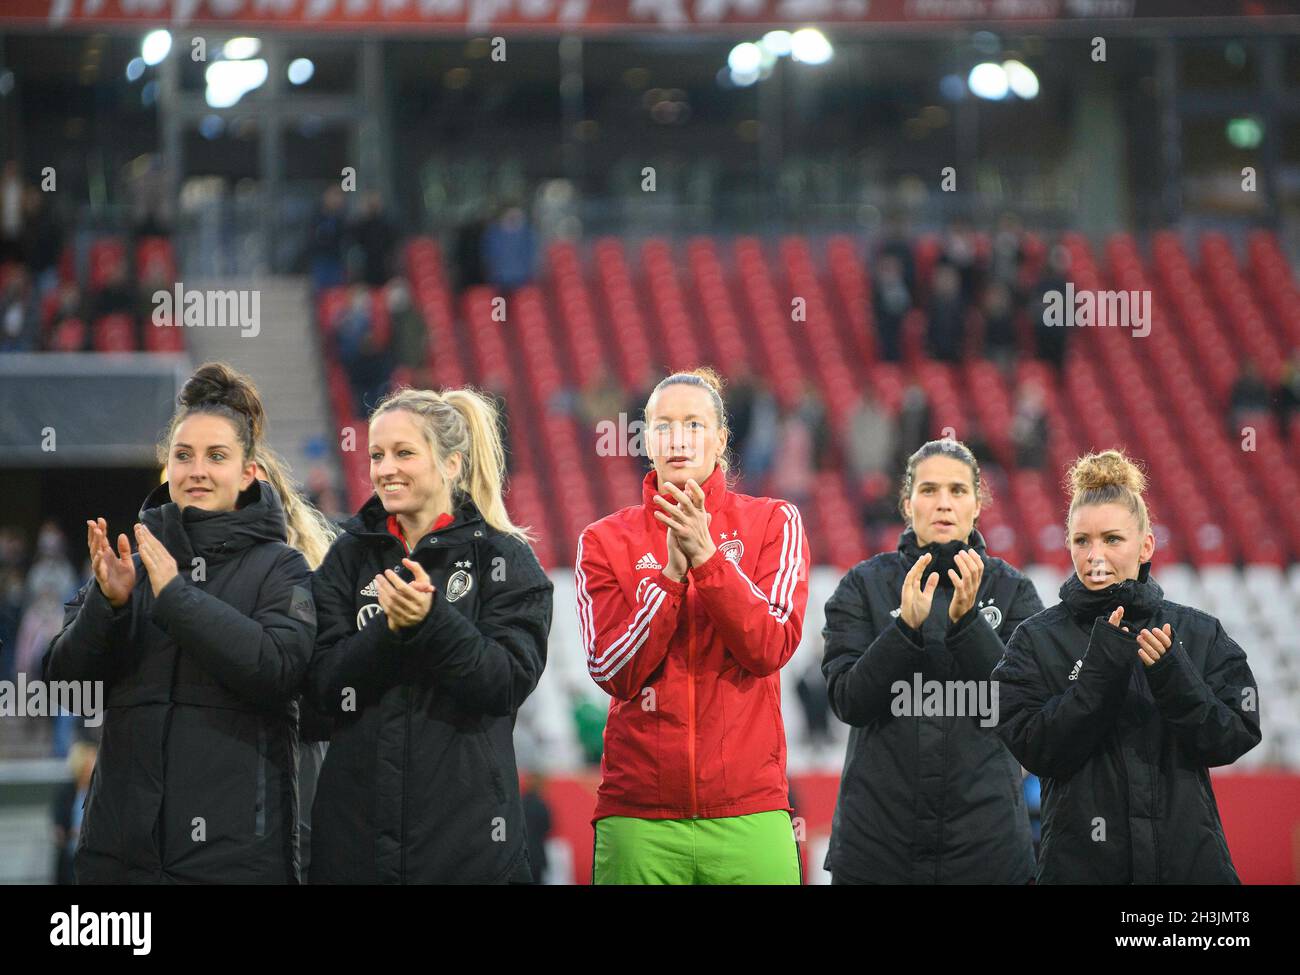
(929, 794)
(689, 605)
(202, 639)
(1121, 702)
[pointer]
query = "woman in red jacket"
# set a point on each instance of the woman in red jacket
(689, 605)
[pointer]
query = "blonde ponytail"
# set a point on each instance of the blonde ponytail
(307, 530)
(463, 421)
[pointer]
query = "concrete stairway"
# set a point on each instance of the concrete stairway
(283, 358)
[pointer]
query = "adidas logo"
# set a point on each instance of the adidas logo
(647, 561)
(370, 589)
(1074, 674)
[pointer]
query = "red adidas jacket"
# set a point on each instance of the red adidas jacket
(693, 667)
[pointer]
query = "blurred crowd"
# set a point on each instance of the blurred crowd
(360, 251)
(1254, 398)
(43, 304)
(35, 582)
(973, 300)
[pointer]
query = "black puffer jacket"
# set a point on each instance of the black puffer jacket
(1124, 749)
(419, 784)
(195, 778)
(923, 798)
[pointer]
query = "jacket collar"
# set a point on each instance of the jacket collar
(1140, 597)
(371, 523)
(943, 555)
(187, 532)
(715, 492)
(911, 549)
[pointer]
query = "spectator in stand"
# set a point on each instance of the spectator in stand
(468, 254)
(761, 440)
(151, 202)
(537, 821)
(376, 238)
(1029, 427)
(51, 573)
(811, 689)
(69, 311)
(871, 444)
(322, 495)
(42, 241)
(812, 410)
(12, 576)
(896, 242)
(740, 405)
(589, 725)
(153, 278)
(947, 314)
(363, 358)
(891, 300)
(1250, 396)
(998, 312)
(792, 478)
(1008, 252)
(974, 439)
(913, 424)
(509, 250)
(325, 243)
(601, 399)
(410, 336)
(878, 503)
(1049, 341)
(42, 620)
(116, 296)
(12, 192)
(50, 583)
(69, 801)
(1288, 401)
(959, 253)
(20, 316)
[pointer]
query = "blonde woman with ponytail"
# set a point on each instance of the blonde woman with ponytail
(1122, 701)
(434, 616)
(202, 638)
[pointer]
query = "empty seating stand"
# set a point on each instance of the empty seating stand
(797, 312)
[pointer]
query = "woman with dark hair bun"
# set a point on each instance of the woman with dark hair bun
(1121, 702)
(202, 638)
(929, 794)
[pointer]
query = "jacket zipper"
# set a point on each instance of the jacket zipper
(690, 698)
(406, 759)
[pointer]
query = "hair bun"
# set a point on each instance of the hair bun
(1110, 467)
(708, 374)
(217, 383)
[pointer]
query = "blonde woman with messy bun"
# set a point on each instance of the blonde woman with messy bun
(1121, 701)
(434, 615)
